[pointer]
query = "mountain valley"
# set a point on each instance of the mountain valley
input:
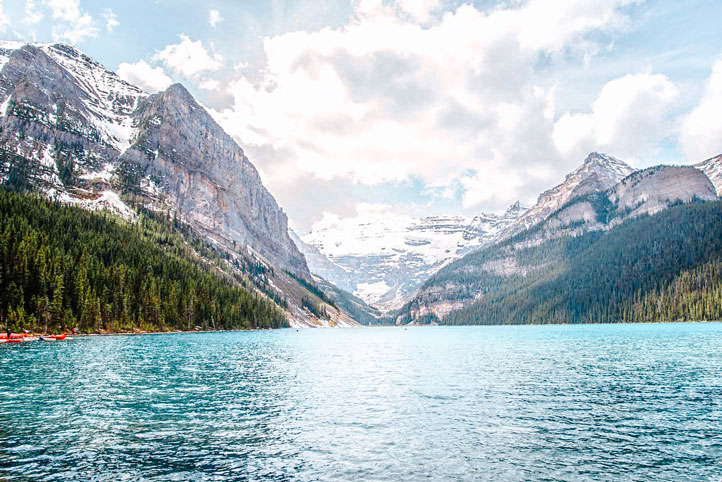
(74, 132)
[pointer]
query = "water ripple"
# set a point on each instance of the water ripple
(601, 402)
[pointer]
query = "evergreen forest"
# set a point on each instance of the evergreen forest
(63, 267)
(665, 267)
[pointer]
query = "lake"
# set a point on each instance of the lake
(590, 402)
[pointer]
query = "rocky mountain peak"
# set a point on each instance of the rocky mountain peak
(600, 157)
(597, 173)
(179, 91)
(609, 169)
(515, 211)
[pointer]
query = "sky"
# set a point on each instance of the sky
(416, 107)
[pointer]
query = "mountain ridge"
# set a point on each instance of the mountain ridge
(642, 193)
(598, 172)
(712, 167)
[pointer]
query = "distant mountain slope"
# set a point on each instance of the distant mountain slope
(357, 308)
(539, 256)
(384, 260)
(666, 267)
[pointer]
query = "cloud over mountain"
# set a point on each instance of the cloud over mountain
(399, 92)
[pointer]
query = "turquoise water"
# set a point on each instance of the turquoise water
(599, 402)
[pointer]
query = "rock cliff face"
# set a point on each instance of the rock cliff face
(181, 152)
(654, 189)
(76, 131)
(648, 191)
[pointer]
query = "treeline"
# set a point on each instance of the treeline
(63, 267)
(666, 267)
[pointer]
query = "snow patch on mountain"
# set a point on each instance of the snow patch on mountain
(390, 255)
(713, 169)
(111, 100)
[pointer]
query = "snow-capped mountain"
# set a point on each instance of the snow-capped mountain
(713, 168)
(75, 131)
(85, 131)
(599, 172)
(106, 102)
(383, 259)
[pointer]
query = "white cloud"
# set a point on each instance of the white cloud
(4, 20)
(419, 10)
(701, 132)
(214, 17)
(389, 97)
(189, 58)
(111, 20)
(32, 14)
(150, 79)
(72, 23)
(68, 10)
(628, 117)
(372, 228)
(209, 84)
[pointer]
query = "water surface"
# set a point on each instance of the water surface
(596, 402)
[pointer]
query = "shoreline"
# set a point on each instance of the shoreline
(176, 332)
(180, 332)
(398, 326)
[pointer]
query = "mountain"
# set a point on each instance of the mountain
(713, 169)
(643, 192)
(383, 260)
(74, 131)
(72, 111)
(631, 273)
(322, 267)
(357, 308)
(581, 236)
(599, 172)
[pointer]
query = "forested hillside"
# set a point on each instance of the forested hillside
(63, 267)
(664, 267)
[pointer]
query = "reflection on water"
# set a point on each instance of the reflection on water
(556, 402)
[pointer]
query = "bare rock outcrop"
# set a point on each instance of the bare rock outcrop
(654, 189)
